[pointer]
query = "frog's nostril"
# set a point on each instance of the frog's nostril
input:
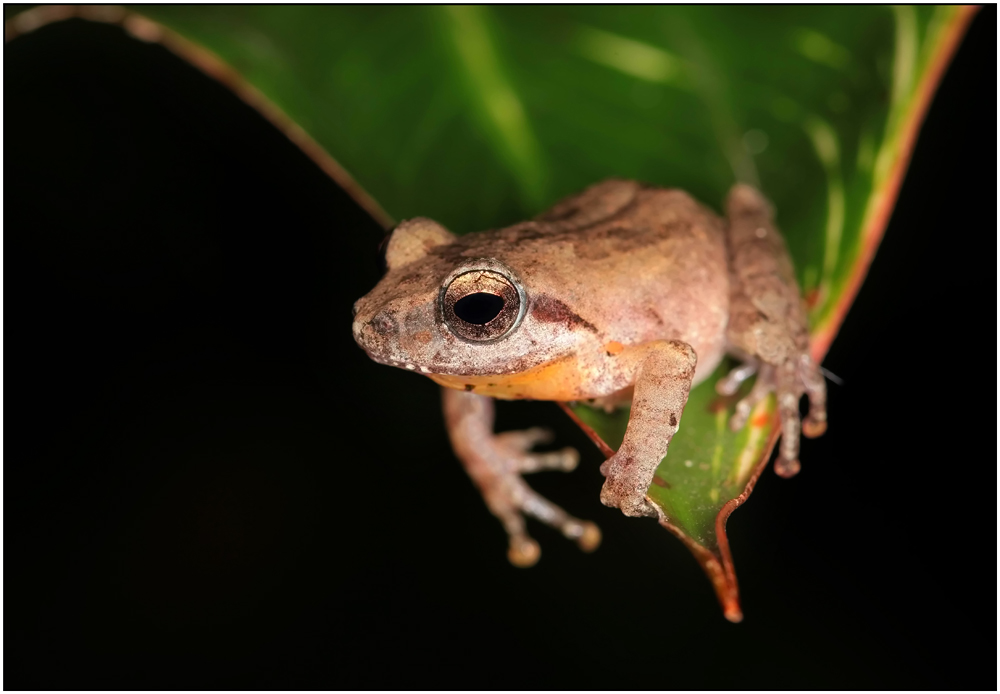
(355, 309)
(383, 323)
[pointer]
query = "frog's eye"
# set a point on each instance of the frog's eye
(481, 305)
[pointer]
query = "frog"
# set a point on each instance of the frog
(625, 294)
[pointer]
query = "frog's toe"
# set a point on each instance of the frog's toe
(523, 551)
(761, 388)
(624, 490)
(525, 440)
(587, 536)
(789, 381)
(787, 468)
(565, 460)
(497, 464)
(814, 385)
(796, 378)
(813, 428)
(632, 505)
(511, 499)
(515, 447)
(731, 382)
(584, 533)
(787, 462)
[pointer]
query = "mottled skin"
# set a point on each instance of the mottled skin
(624, 292)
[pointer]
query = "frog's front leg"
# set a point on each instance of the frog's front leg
(662, 372)
(767, 326)
(495, 462)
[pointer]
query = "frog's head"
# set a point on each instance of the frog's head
(453, 305)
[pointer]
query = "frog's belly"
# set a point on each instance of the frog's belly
(708, 360)
(564, 380)
(560, 380)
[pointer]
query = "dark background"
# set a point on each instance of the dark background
(208, 485)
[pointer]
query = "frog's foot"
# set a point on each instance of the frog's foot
(505, 458)
(789, 381)
(626, 484)
(497, 462)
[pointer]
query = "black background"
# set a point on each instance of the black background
(208, 485)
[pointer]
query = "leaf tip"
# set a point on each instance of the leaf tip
(718, 568)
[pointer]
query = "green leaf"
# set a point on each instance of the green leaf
(482, 116)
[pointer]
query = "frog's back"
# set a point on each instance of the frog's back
(649, 264)
(633, 263)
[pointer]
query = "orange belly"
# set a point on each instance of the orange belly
(558, 381)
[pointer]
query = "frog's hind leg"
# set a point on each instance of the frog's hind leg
(768, 328)
(496, 463)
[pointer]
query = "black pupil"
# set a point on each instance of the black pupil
(479, 308)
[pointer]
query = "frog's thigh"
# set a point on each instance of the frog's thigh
(766, 319)
(767, 324)
(663, 374)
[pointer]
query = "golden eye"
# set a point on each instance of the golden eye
(481, 305)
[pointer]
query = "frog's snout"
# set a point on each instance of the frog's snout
(377, 334)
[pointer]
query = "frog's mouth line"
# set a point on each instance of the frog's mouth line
(385, 361)
(394, 362)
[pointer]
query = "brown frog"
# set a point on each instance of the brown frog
(622, 293)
